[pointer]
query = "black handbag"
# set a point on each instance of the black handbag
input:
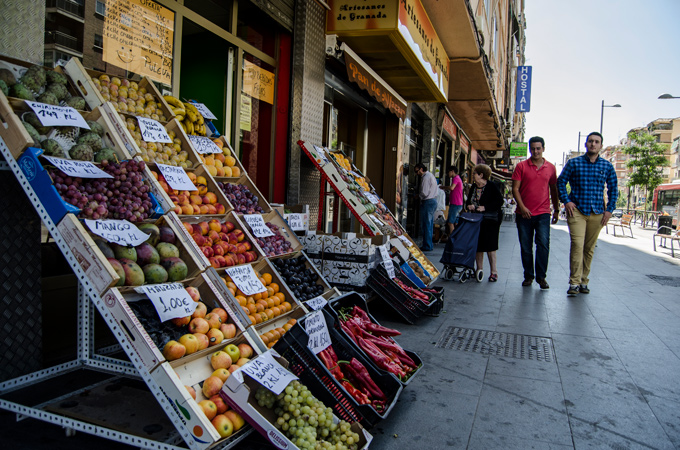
(491, 215)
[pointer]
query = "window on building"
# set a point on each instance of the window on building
(98, 42)
(100, 8)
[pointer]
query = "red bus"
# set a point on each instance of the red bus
(666, 199)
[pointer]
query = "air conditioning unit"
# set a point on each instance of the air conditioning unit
(494, 155)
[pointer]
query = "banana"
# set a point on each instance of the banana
(190, 126)
(173, 101)
(179, 111)
(179, 117)
(191, 112)
(184, 127)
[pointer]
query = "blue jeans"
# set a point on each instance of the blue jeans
(537, 227)
(454, 210)
(427, 209)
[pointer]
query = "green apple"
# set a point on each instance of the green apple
(233, 351)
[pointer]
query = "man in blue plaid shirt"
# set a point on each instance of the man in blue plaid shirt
(585, 207)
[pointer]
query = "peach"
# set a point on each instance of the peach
(221, 261)
(199, 325)
(196, 200)
(215, 224)
(240, 235)
(211, 209)
(177, 209)
(214, 262)
(220, 208)
(211, 386)
(187, 209)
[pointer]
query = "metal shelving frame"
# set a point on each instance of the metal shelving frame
(87, 358)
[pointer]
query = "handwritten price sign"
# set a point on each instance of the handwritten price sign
(205, 112)
(257, 225)
(406, 241)
(389, 265)
(171, 300)
(316, 303)
(245, 279)
(153, 130)
(296, 221)
(176, 177)
(204, 145)
(73, 168)
(372, 198)
(317, 330)
(117, 231)
(268, 372)
(57, 116)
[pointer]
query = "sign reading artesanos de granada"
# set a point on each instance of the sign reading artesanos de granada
(402, 20)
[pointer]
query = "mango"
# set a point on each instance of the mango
(120, 252)
(134, 275)
(118, 267)
(167, 250)
(146, 254)
(167, 235)
(154, 274)
(177, 269)
(153, 232)
(105, 248)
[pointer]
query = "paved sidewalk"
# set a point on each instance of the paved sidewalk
(613, 380)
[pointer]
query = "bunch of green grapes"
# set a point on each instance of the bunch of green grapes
(306, 421)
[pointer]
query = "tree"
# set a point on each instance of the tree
(647, 162)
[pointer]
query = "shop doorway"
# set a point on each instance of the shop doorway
(415, 141)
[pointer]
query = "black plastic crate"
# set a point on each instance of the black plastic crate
(409, 308)
(436, 309)
(351, 300)
(401, 276)
(314, 374)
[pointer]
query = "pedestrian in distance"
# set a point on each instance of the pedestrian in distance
(585, 207)
(455, 198)
(486, 198)
(428, 204)
(534, 184)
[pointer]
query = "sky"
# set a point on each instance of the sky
(586, 51)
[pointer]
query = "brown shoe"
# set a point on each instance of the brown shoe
(527, 282)
(543, 283)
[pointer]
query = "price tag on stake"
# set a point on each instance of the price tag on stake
(296, 221)
(405, 240)
(389, 265)
(268, 372)
(204, 145)
(316, 303)
(119, 232)
(257, 225)
(153, 130)
(57, 116)
(205, 112)
(171, 300)
(176, 177)
(74, 168)
(317, 330)
(245, 279)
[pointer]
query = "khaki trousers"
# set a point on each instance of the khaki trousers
(583, 231)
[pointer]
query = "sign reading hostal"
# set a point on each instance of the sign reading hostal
(138, 37)
(518, 149)
(397, 40)
(523, 98)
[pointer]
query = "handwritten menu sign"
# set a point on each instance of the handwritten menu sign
(389, 265)
(257, 225)
(205, 112)
(406, 241)
(258, 82)
(317, 330)
(176, 177)
(372, 198)
(57, 116)
(296, 221)
(171, 300)
(117, 231)
(245, 279)
(74, 168)
(138, 37)
(268, 372)
(316, 303)
(153, 130)
(204, 145)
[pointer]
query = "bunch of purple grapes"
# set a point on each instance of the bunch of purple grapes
(274, 245)
(125, 196)
(243, 201)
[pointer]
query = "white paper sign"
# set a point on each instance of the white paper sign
(296, 221)
(171, 300)
(176, 177)
(245, 279)
(406, 241)
(74, 168)
(257, 225)
(376, 220)
(316, 303)
(117, 231)
(60, 116)
(389, 265)
(268, 372)
(153, 130)
(317, 330)
(204, 145)
(372, 198)
(205, 112)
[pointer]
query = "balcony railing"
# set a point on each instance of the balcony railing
(68, 6)
(56, 37)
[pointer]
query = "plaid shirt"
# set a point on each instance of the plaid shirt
(587, 180)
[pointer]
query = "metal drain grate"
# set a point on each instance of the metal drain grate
(510, 345)
(666, 281)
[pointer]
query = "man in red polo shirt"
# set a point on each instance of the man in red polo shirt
(534, 183)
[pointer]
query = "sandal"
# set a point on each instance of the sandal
(493, 277)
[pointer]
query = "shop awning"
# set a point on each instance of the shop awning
(470, 97)
(397, 40)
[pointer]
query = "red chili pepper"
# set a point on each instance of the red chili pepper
(358, 312)
(357, 394)
(382, 360)
(330, 364)
(379, 330)
(362, 375)
(385, 344)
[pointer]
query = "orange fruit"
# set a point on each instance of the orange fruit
(281, 331)
(230, 284)
(281, 296)
(241, 300)
(265, 339)
(250, 299)
(257, 296)
(271, 344)
(276, 311)
(258, 318)
(275, 287)
(287, 326)
(252, 320)
(270, 302)
(292, 322)
(270, 291)
(277, 300)
(267, 278)
(269, 313)
(233, 291)
(252, 308)
(259, 307)
(276, 334)
(264, 317)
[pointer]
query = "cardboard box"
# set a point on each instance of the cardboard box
(247, 182)
(308, 265)
(351, 247)
(241, 170)
(275, 218)
(349, 273)
(239, 391)
(312, 243)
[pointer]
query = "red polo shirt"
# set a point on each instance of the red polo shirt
(534, 187)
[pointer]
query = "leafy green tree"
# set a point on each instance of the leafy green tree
(647, 160)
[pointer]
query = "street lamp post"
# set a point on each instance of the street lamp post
(666, 97)
(602, 112)
(578, 146)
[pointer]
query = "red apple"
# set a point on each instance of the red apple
(222, 374)
(203, 341)
(199, 325)
(174, 350)
(212, 386)
(235, 419)
(223, 425)
(181, 321)
(222, 407)
(246, 350)
(200, 311)
(215, 336)
(228, 330)
(189, 342)
(220, 312)
(193, 293)
(213, 319)
(192, 391)
(220, 360)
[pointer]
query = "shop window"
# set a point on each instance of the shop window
(217, 12)
(256, 28)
